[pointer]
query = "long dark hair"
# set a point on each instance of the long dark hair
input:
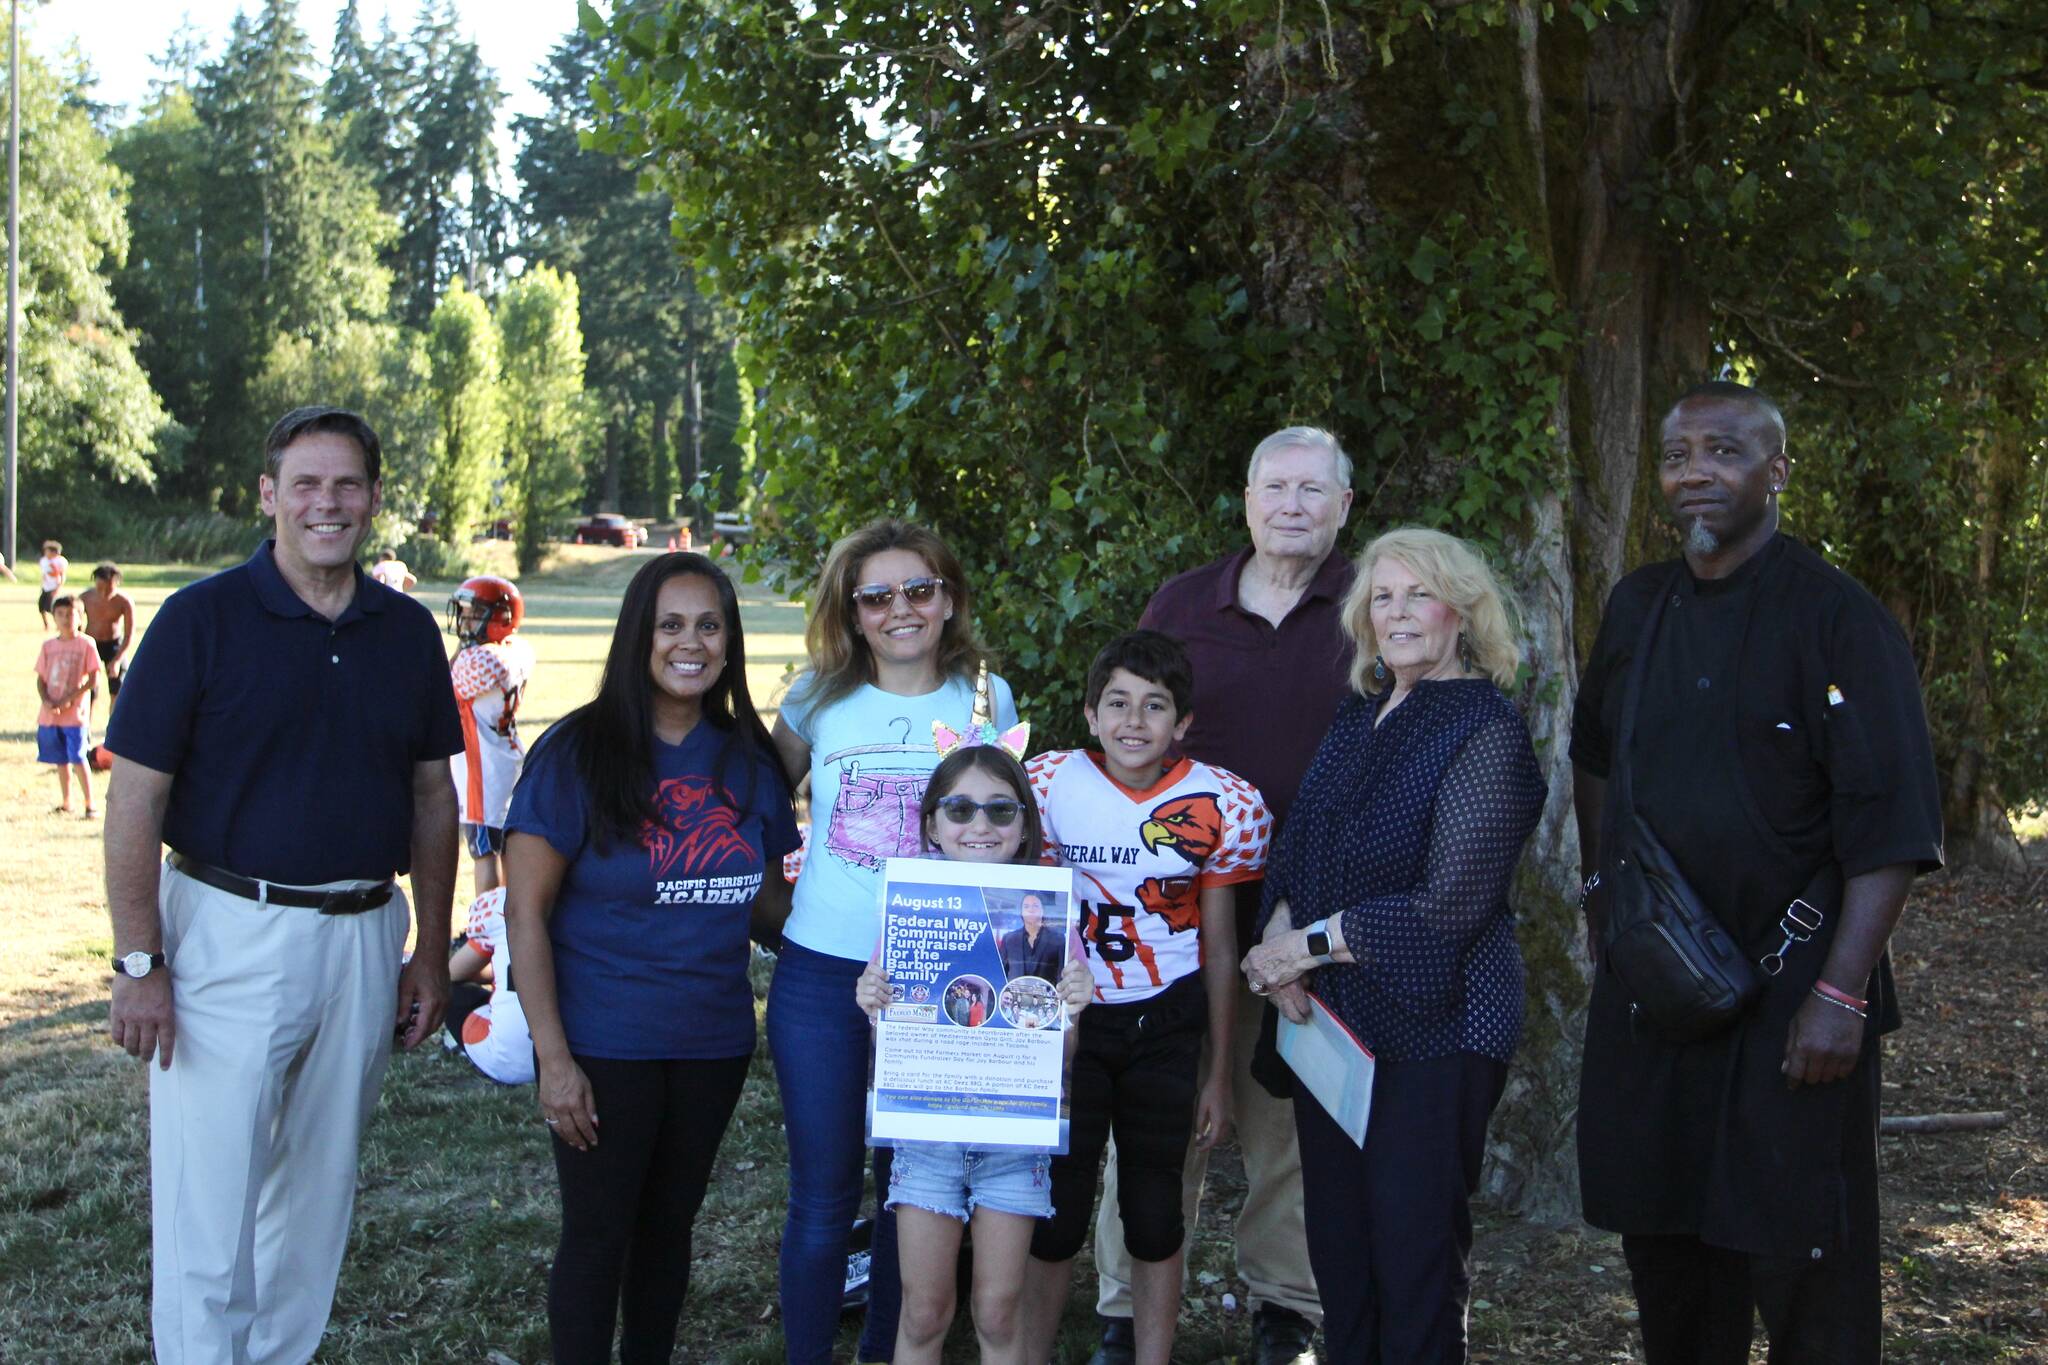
(611, 737)
(997, 763)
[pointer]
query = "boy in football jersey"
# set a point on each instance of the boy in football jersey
(1155, 842)
(487, 1024)
(490, 672)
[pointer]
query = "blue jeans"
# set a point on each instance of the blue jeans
(819, 1039)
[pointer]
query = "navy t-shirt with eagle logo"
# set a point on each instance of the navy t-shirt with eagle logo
(650, 936)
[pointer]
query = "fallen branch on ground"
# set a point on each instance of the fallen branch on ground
(1942, 1123)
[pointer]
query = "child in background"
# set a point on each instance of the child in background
(490, 672)
(66, 672)
(486, 1023)
(53, 566)
(978, 809)
(1157, 842)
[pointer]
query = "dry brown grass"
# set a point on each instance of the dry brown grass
(456, 1218)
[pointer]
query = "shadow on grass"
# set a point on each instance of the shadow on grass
(88, 1012)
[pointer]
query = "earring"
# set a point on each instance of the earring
(1381, 674)
(1464, 651)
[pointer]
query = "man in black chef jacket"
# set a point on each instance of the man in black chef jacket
(1781, 749)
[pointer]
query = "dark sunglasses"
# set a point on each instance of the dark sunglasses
(916, 591)
(1002, 812)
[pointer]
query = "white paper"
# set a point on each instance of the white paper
(1327, 1057)
(968, 1053)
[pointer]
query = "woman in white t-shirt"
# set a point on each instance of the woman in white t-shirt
(892, 650)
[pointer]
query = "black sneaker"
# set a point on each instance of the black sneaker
(1119, 1343)
(1281, 1336)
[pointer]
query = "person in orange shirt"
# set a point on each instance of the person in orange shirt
(490, 671)
(67, 671)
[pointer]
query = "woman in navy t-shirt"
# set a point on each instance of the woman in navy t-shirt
(635, 852)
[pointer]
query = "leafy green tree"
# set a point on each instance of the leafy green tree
(88, 415)
(381, 371)
(1042, 276)
(548, 422)
(463, 357)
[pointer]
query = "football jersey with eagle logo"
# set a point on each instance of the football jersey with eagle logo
(1141, 860)
(489, 679)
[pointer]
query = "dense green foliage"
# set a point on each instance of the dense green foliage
(1886, 163)
(469, 411)
(88, 415)
(547, 420)
(1039, 281)
(655, 346)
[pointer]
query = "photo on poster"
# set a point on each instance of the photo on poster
(973, 1048)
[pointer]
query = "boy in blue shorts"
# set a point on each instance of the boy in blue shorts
(1156, 842)
(67, 670)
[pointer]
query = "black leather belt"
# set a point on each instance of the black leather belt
(270, 893)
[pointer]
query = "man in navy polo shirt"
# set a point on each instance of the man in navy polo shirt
(1271, 663)
(287, 734)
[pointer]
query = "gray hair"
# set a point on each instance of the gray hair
(1303, 438)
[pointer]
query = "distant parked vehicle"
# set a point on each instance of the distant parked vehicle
(736, 527)
(609, 528)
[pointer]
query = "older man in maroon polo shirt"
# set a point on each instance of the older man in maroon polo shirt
(1271, 664)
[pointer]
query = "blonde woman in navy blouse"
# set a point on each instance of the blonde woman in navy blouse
(1399, 850)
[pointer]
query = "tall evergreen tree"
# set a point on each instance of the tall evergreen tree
(290, 234)
(364, 99)
(547, 426)
(585, 212)
(444, 185)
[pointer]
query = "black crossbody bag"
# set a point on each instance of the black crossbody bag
(1685, 973)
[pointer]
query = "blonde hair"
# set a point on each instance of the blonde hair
(839, 656)
(1460, 578)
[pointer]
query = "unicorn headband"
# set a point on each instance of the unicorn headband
(981, 726)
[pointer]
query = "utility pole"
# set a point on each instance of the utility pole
(13, 271)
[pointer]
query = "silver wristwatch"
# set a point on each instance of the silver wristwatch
(138, 963)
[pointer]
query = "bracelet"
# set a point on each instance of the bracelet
(1838, 1004)
(1839, 996)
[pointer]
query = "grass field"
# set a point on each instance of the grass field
(456, 1219)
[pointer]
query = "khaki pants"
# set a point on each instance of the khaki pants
(284, 1026)
(1272, 1244)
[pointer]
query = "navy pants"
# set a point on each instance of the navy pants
(820, 1040)
(1390, 1225)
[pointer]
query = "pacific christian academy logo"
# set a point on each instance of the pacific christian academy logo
(693, 831)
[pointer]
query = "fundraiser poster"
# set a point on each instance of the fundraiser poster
(972, 1050)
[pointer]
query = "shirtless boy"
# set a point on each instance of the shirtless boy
(110, 621)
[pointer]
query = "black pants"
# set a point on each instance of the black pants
(628, 1203)
(1390, 1225)
(1699, 1303)
(1134, 1073)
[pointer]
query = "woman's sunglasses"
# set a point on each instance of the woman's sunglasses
(960, 810)
(916, 591)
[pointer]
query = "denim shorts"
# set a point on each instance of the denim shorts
(953, 1179)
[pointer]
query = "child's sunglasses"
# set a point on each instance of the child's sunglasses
(960, 810)
(916, 591)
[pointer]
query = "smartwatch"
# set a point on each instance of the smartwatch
(138, 963)
(1319, 943)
